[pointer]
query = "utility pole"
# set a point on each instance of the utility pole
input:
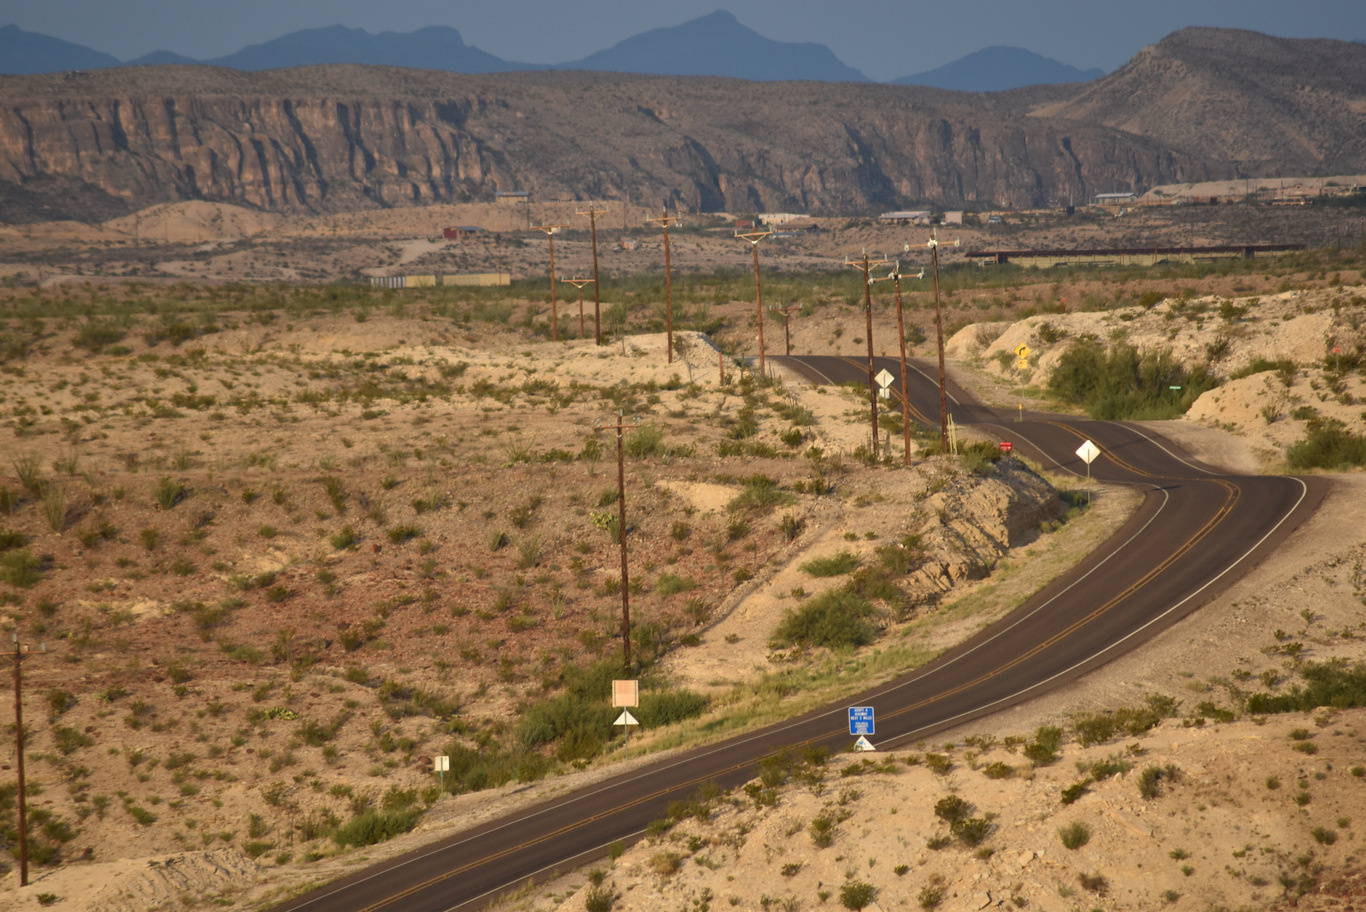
(895, 276)
(578, 282)
(554, 318)
(17, 657)
(620, 427)
(664, 221)
(933, 244)
(592, 213)
(754, 237)
(865, 266)
(786, 312)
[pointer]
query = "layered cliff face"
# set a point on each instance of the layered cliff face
(337, 138)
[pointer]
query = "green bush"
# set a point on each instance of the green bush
(1327, 445)
(856, 894)
(1075, 835)
(834, 620)
(21, 569)
(1043, 750)
(1333, 683)
(1123, 384)
(839, 564)
(373, 827)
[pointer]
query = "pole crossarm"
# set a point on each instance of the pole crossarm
(580, 283)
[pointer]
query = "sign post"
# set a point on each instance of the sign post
(884, 380)
(626, 694)
(861, 723)
(441, 765)
(1088, 451)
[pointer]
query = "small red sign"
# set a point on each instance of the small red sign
(1006, 446)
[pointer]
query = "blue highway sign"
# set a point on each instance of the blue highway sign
(861, 720)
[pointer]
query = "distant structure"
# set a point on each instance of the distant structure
(908, 216)
(1135, 256)
(456, 232)
(480, 279)
(1114, 199)
(780, 218)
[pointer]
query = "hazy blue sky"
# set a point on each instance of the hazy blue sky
(883, 38)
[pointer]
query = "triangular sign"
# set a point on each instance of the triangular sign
(863, 744)
(626, 719)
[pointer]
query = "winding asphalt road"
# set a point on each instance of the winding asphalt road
(1196, 531)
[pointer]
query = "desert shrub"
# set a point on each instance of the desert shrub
(1075, 835)
(971, 831)
(1101, 727)
(644, 441)
(1333, 683)
(169, 492)
(857, 894)
(1151, 779)
(1261, 365)
(998, 770)
(836, 619)
(373, 827)
(1043, 750)
(760, 494)
(831, 565)
(672, 584)
(1096, 883)
(21, 569)
(599, 898)
(952, 808)
(1328, 444)
(1122, 383)
(659, 708)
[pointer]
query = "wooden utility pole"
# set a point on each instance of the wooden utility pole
(901, 337)
(578, 282)
(17, 657)
(754, 237)
(865, 266)
(620, 427)
(592, 213)
(786, 312)
(554, 317)
(933, 244)
(664, 221)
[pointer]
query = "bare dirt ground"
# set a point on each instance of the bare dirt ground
(208, 642)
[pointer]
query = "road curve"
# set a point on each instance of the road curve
(1196, 532)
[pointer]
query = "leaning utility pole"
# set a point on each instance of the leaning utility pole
(592, 213)
(754, 237)
(664, 221)
(554, 318)
(865, 266)
(620, 427)
(933, 244)
(785, 312)
(17, 657)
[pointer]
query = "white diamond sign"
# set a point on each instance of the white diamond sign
(883, 378)
(1088, 451)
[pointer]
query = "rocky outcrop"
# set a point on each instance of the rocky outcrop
(973, 521)
(344, 137)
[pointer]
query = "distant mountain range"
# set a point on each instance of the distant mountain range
(996, 69)
(713, 45)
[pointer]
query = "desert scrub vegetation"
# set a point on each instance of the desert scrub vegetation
(1120, 383)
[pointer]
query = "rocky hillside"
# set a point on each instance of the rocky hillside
(347, 137)
(1269, 104)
